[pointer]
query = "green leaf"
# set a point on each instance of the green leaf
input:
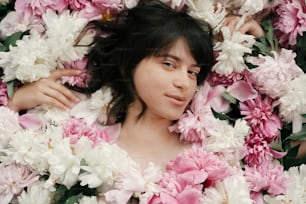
(12, 39)
(10, 88)
(229, 98)
(298, 136)
(303, 115)
(220, 116)
(74, 199)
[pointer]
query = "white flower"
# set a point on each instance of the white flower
(15, 22)
(37, 194)
(64, 166)
(4, 2)
(223, 136)
(90, 200)
(8, 125)
(28, 149)
(29, 61)
(295, 190)
(50, 114)
(62, 33)
(232, 190)
(93, 108)
(207, 10)
(231, 51)
(130, 3)
(102, 162)
(293, 103)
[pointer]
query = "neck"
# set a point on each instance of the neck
(149, 128)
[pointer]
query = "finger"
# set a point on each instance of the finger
(64, 91)
(59, 97)
(252, 28)
(48, 100)
(64, 72)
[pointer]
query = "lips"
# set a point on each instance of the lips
(177, 100)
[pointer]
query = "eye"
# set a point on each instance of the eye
(194, 72)
(168, 64)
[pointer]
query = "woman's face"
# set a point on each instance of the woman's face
(167, 83)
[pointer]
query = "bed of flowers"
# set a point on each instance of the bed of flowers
(245, 117)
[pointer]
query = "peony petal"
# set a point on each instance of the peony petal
(30, 121)
(242, 90)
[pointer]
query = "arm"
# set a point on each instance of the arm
(44, 91)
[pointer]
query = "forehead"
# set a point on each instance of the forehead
(181, 50)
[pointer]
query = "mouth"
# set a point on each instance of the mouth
(177, 100)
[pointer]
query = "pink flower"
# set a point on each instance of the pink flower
(268, 177)
(13, 179)
(291, 21)
(258, 150)
(79, 80)
(193, 122)
(259, 115)
(217, 79)
(31, 8)
(77, 5)
(77, 128)
(272, 75)
(198, 160)
(178, 188)
(3, 94)
(96, 8)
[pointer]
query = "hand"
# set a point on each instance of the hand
(250, 26)
(45, 91)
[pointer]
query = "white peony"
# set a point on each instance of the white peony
(36, 193)
(94, 107)
(232, 190)
(223, 136)
(4, 2)
(103, 162)
(29, 61)
(9, 124)
(64, 166)
(293, 103)
(62, 33)
(15, 22)
(295, 190)
(90, 200)
(28, 148)
(212, 13)
(231, 51)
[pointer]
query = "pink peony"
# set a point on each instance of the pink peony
(77, 5)
(259, 113)
(268, 177)
(13, 179)
(79, 80)
(198, 160)
(272, 75)
(77, 128)
(258, 150)
(217, 79)
(3, 94)
(193, 122)
(179, 188)
(31, 8)
(291, 21)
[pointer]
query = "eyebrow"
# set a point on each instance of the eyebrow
(177, 59)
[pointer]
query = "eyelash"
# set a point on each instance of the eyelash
(172, 65)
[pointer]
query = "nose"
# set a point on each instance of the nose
(182, 80)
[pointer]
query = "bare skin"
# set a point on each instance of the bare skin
(250, 26)
(45, 91)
